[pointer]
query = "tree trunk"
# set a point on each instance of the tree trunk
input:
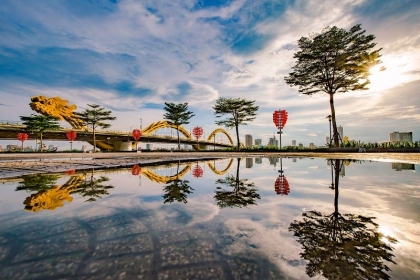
(94, 140)
(336, 181)
(237, 136)
(177, 133)
(41, 144)
(334, 123)
(237, 176)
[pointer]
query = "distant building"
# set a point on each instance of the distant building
(300, 145)
(258, 160)
(398, 166)
(340, 131)
(294, 143)
(327, 140)
(248, 140)
(258, 142)
(249, 162)
(273, 160)
(273, 141)
(149, 146)
(312, 146)
(401, 136)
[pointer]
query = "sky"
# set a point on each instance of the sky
(132, 56)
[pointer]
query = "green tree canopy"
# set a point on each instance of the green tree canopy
(37, 182)
(240, 111)
(344, 246)
(39, 124)
(241, 193)
(335, 60)
(93, 187)
(177, 190)
(178, 114)
(95, 117)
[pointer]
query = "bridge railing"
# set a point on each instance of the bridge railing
(6, 122)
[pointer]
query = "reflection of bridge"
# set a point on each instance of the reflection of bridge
(122, 141)
(153, 174)
(50, 199)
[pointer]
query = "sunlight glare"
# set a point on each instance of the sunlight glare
(395, 73)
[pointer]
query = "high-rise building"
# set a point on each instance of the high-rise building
(327, 140)
(258, 142)
(248, 140)
(294, 143)
(312, 146)
(273, 141)
(401, 136)
(249, 162)
(340, 131)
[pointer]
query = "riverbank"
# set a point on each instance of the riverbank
(14, 165)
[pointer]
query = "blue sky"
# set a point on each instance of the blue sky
(132, 56)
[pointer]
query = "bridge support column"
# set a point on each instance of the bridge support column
(120, 146)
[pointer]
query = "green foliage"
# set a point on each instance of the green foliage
(93, 188)
(240, 111)
(178, 114)
(241, 193)
(39, 124)
(37, 182)
(335, 60)
(94, 118)
(177, 190)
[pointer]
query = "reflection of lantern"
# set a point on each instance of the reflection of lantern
(70, 172)
(280, 118)
(135, 170)
(197, 132)
(282, 186)
(197, 171)
(22, 137)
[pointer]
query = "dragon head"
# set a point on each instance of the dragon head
(56, 107)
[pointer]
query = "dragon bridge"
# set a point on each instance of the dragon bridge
(62, 110)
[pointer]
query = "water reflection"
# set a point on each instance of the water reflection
(242, 195)
(49, 195)
(342, 246)
(177, 190)
(93, 187)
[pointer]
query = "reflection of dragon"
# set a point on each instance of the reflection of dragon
(53, 198)
(56, 107)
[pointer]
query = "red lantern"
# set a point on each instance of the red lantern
(197, 171)
(135, 170)
(71, 135)
(22, 137)
(197, 132)
(280, 118)
(281, 185)
(136, 133)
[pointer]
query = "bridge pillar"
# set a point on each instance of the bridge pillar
(123, 146)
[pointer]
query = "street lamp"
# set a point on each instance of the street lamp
(329, 119)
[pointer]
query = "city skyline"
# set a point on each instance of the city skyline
(130, 57)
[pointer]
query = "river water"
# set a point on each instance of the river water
(250, 218)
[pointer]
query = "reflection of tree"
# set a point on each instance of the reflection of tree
(93, 187)
(177, 190)
(37, 182)
(243, 193)
(342, 246)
